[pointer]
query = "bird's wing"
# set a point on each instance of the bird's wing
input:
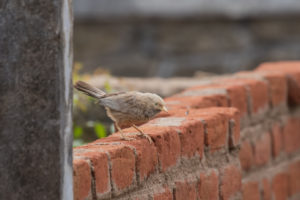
(122, 102)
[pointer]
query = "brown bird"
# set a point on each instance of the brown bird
(126, 108)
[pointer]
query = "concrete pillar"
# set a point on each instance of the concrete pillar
(35, 99)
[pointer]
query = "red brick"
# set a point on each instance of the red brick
(166, 195)
(238, 98)
(208, 187)
(246, 155)
(146, 154)
(280, 186)
(294, 178)
(291, 135)
(192, 138)
(81, 179)
(122, 160)
(258, 94)
(230, 181)
(216, 131)
(232, 115)
(266, 190)
(262, 150)
(99, 162)
(185, 190)
(277, 140)
(251, 191)
(292, 70)
(277, 86)
(167, 143)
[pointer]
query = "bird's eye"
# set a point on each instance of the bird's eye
(156, 104)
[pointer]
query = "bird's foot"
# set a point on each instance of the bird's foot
(126, 138)
(146, 136)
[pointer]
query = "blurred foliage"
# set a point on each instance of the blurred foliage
(85, 130)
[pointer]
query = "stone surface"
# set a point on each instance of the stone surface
(35, 78)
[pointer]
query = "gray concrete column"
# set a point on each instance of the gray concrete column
(35, 99)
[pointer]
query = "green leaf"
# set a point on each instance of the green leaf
(77, 132)
(100, 130)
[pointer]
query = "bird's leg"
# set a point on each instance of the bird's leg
(123, 137)
(142, 133)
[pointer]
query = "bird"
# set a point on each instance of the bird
(126, 108)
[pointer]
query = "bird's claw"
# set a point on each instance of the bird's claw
(146, 136)
(127, 138)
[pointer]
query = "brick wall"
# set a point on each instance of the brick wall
(234, 137)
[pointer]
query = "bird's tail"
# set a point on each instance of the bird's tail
(89, 90)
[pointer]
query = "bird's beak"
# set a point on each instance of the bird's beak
(164, 108)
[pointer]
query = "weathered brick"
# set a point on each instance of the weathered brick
(191, 136)
(246, 155)
(122, 160)
(277, 87)
(216, 131)
(168, 145)
(165, 195)
(230, 181)
(294, 178)
(266, 189)
(251, 190)
(292, 70)
(208, 187)
(238, 98)
(262, 149)
(81, 179)
(99, 161)
(291, 135)
(185, 190)
(258, 94)
(280, 186)
(147, 159)
(277, 140)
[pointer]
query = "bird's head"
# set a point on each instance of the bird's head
(157, 103)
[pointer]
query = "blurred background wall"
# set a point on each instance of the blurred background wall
(177, 38)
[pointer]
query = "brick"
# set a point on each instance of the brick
(232, 115)
(262, 150)
(266, 189)
(280, 186)
(81, 179)
(294, 178)
(208, 187)
(122, 160)
(216, 131)
(185, 190)
(147, 159)
(246, 155)
(165, 195)
(192, 138)
(277, 87)
(238, 98)
(277, 140)
(99, 162)
(167, 142)
(251, 190)
(292, 70)
(230, 181)
(291, 135)
(258, 91)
